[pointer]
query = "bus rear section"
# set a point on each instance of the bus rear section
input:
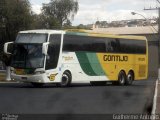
(127, 61)
(100, 58)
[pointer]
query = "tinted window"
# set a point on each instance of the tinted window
(27, 56)
(113, 45)
(133, 46)
(83, 43)
(53, 51)
(99, 44)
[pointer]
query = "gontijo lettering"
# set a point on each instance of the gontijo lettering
(115, 58)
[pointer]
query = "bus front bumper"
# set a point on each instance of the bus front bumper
(41, 78)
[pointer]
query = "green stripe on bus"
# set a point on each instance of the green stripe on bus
(85, 64)
(94, 62)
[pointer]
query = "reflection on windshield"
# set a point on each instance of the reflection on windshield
(28, 56)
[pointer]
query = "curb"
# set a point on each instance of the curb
(155, 99)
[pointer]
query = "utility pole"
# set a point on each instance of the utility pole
(158, 19)
(157, 8)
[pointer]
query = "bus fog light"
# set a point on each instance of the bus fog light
(12, 71)
(39, 81)
(39, 72)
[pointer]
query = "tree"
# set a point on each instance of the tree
(61, 10)
(67, 24)
(41, 21)
(15, 15)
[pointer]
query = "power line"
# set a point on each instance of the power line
(156, 8)
(152, 8)
(158, 1)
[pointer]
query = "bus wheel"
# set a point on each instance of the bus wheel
(66, 79)
(37, 84)
(130, 78)
(121, 78)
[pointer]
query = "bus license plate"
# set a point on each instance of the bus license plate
(20, 71)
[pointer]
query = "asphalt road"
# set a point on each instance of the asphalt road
(21, 98)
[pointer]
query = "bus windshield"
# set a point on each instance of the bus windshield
(28, 56)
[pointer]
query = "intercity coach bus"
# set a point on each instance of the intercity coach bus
(65, 57)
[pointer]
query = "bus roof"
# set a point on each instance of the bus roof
(83, 33)
(43, 31)
(107, 35)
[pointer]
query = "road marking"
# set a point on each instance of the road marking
(155, 100)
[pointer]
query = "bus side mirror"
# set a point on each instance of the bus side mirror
(45, 48)
(8, 48)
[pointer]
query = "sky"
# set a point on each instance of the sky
(107, 10)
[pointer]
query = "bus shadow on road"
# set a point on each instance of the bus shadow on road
(74, 85)
(29, 85)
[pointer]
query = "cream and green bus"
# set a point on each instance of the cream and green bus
(66, 57)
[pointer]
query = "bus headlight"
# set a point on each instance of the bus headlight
(39, 72)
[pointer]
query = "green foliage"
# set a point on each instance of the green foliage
(67, 24)
(60, 10)
(41, 21)
(15, 16)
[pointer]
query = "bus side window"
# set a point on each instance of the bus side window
(109, 47)
(53, 51)
(112, 45)
(99, 47)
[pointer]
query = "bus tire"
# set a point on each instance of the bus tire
(130, 78)
(37, 84)
(66, 79)
(121, 78)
